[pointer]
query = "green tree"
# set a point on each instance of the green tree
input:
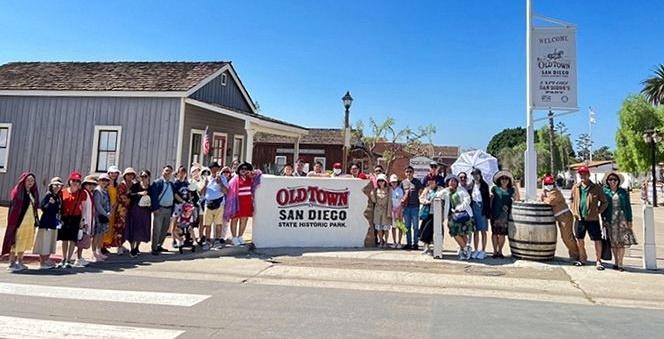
(509, 137)
(512, 159)
(564, 145)
(653, 87)
(396, 141)
(603, 153)
(636, 115)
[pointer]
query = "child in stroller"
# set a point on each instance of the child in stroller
(185, 224)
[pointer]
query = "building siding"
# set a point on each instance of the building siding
(228, 95)
(199, 118)
(53, 135)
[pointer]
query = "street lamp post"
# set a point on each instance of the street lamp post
(347, 100)
(653, 137)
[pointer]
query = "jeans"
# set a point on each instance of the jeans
(411, 219)
(160, 223)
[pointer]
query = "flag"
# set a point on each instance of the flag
(205, 142)
(591, 115)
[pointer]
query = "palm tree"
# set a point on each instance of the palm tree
(653, 88)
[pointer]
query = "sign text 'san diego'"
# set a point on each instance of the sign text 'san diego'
(553, 68)
(310, 212)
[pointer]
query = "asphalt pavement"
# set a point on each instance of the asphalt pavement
(243, 310)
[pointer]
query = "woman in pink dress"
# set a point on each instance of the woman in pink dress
(240, 200)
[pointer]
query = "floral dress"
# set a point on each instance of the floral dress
(459, 228)
(619, 234)
(119, 221)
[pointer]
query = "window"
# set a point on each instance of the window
(223, 79)
(238, 148)
(5, 133)
(280, 163)
(195, 144)
(321, 160)
(106, 147)
(219, 148)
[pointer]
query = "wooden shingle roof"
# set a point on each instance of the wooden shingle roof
(316, 136)
(106, 76)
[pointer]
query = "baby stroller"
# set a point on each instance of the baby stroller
(185, 223)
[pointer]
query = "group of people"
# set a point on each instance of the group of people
(472, 205)
(117, 208)
(603, 212)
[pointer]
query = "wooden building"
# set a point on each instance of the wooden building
(59, 116)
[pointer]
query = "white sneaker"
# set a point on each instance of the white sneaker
(13, 268)
(21, 267)
(236, 241)
(46, 266)
(481, 255)
(81, 263)
(473, 254)
(240, 240)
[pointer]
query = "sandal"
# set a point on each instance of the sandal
(578, 264)
(599, 267)
(621, 269)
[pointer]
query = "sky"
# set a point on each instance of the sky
(459, 65)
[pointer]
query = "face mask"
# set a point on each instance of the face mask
(548, 187)
(337, 171)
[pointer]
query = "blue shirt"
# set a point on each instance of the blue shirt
(166, 195)
(213, 191)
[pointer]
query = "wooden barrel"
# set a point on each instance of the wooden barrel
(532, 231)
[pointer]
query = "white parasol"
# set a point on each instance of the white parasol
(479, 159)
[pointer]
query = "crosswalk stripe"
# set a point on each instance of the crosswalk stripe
(75, 293)
(19, 328)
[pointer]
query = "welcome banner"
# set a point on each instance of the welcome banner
(553, 68)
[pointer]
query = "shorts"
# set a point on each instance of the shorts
(499, 226)
(592, 227)
(211, 216)
(481, 224)
(69, 230)
(459, 229)
(382, 227)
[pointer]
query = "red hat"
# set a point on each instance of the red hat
(583, 169)
(75, 175)
(548, 180)
(336, 165)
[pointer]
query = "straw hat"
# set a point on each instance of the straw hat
(394, 178)
(500, 174)
(104, 176)
(90, 179)
(621, 178)
(129, 170)
(113, 169)
(56, 181)
(380, 177)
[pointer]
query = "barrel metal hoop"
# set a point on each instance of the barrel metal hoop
(524, 222)
(534, 242)
(521, 249)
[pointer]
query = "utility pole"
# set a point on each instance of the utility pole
(552, 145)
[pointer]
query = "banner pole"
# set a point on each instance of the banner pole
(530, 172)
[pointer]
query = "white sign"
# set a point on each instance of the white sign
(310, 212)
(422, 165)
(553, 68)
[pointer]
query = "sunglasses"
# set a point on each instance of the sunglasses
(612, 179)
(462, 178)
(226, 172)
(144, 176)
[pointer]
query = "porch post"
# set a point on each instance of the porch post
(250, 141)
(296, 149)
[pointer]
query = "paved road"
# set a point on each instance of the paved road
(206, 299)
